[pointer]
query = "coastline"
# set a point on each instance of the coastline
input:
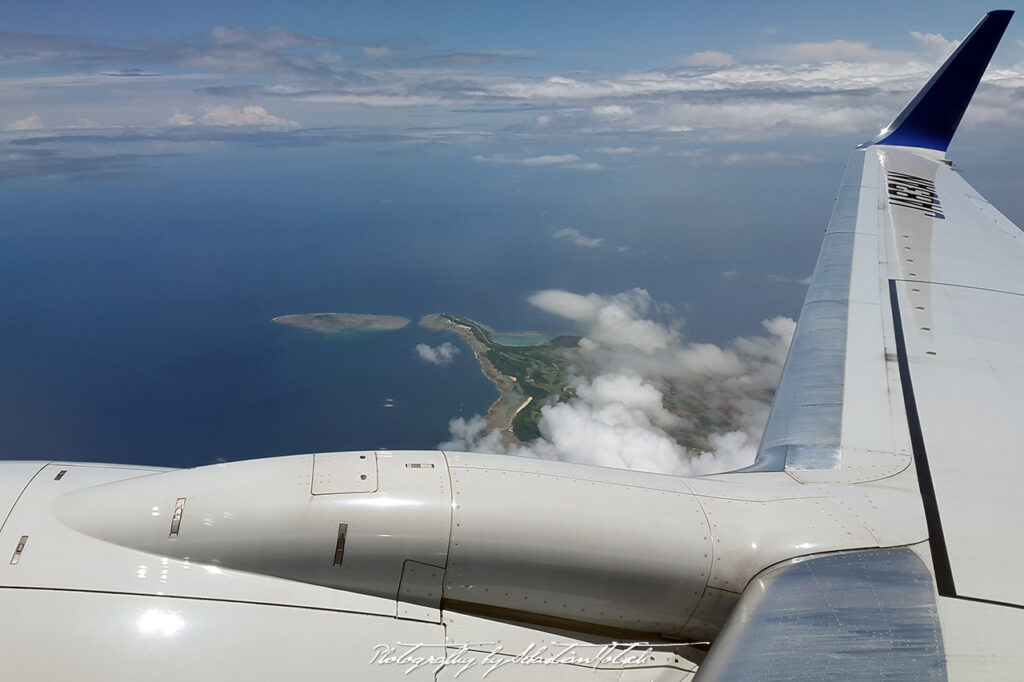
(511, 399)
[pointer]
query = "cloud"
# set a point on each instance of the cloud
(662, 405)
(709, 58)
(251, 115)
(612, 112)
(771, 92)
(131, 73)
(546, 160)
(766, 159)
(577, 238)
(610, 320)
(790, 280)
(442, 355)
(830, 51)
(265, 50)
(556, 160)
(473, 58)
(936, 43)
(33, 122)
(628, 151)
(48, 163)
(223, 115)
(180, 119)
(378, 51)
(143, 139)
(471, 435)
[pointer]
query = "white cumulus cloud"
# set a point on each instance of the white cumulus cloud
(442, 355)
(578, 238)
(33, 122)
(251, 115)
(611, 320)
(936, 43)
(181, 119)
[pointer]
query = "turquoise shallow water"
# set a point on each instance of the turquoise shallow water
(525, 339)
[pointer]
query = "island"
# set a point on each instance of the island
(528, 368)
(338, 323)
(531, 369)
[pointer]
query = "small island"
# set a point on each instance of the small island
(530, 371)
(339, 323)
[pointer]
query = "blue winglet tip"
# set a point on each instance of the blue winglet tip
(932, 117)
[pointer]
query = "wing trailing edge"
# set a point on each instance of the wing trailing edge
(932, 117)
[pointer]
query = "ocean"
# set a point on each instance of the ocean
(136, 304)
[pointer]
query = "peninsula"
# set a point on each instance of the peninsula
(528, 368)
(338, 323)
(528, 375)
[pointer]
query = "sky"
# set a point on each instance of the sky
(486, 75)
(654, 176)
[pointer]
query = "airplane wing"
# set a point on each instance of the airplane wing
(871, 539)
(905, 373)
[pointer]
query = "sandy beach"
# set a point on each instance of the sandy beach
(503, 410)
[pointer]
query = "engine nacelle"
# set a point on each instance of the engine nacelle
(528, 540)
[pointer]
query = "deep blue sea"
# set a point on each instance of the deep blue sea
(136, 305)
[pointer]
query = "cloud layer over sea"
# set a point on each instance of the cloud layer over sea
(645, 398)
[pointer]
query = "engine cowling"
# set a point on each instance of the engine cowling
(527, 540)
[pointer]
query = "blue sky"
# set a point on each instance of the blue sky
(605, 34)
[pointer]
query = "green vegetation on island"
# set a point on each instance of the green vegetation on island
(528, 376)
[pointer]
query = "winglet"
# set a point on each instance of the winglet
(932, 117)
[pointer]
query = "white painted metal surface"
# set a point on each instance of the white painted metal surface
(60, 557)
(982, 640)
(76, 635)
(260, 516)
(16, 476)
(529, 541)
(354, 473)
(967, 375)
